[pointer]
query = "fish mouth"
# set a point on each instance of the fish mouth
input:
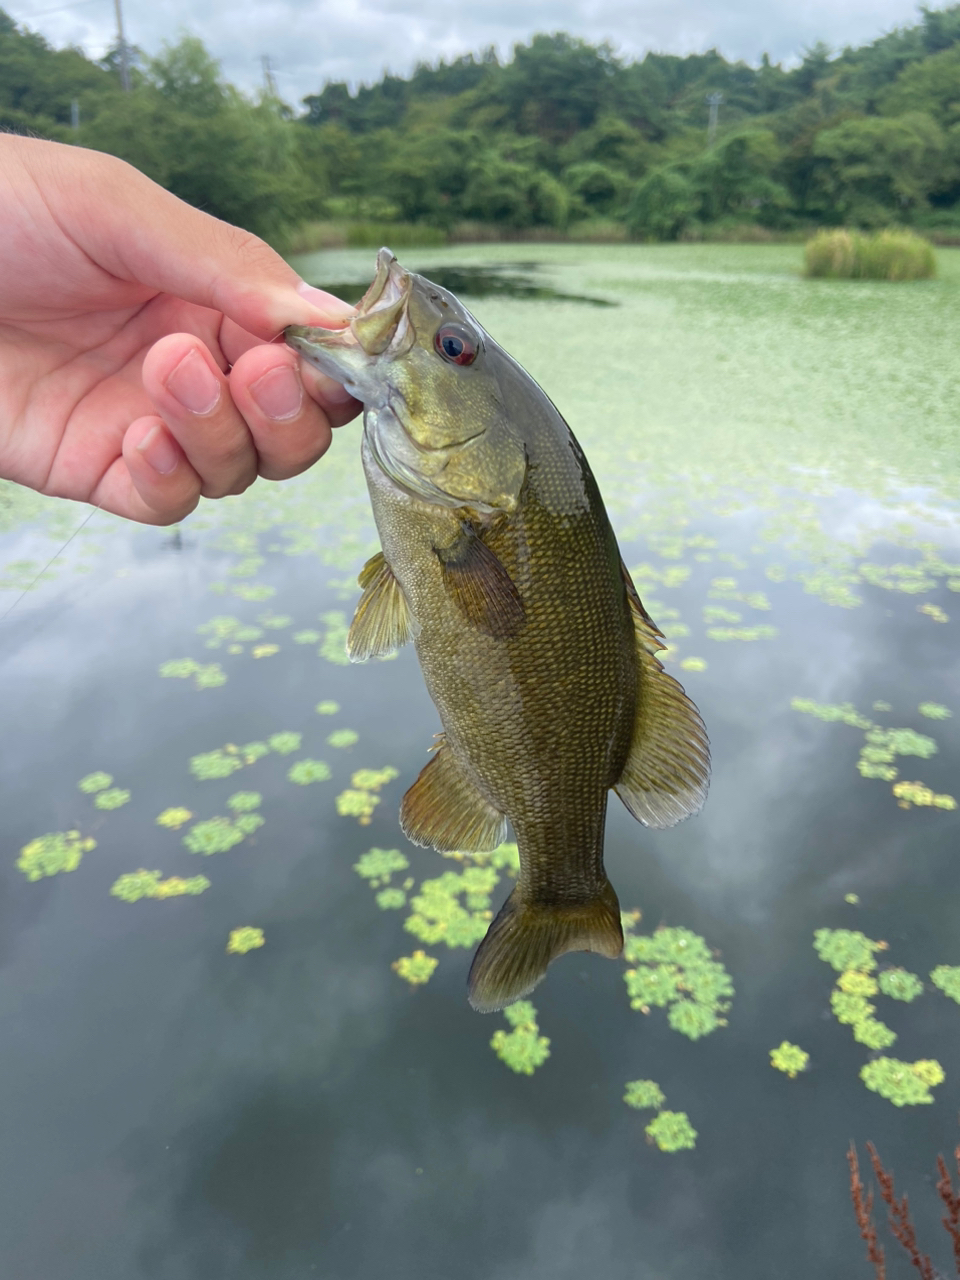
(380, 325)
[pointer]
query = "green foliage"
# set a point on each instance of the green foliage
(673, 968)
(148, 884)
(888, 255)
(112, 798)
(343, 738)
(391, 899)
(905, 1084)
(245, 939)
(662, 205)
(416, 969)
(94, 782)
(644, 1095)
(790, 1059)
(374, 779)
(244, 801)
(847, 949)
(523, 1049)
(306, 771)
(355, 803)
(378, 865)
(284, 743)
(947, 978)
(51, 854)
(672, 1131)
(437, 915)
(215, 764)
(898, 984)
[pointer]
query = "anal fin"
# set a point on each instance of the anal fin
(444, 809)
(382, 622)
(525, 937)
(667, 772)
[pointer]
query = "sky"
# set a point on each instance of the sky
(311, 41)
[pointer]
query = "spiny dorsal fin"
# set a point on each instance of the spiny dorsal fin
(444, 809)
(382, 622)
(481, 587)
(525, 937)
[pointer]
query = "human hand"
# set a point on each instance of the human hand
(137, 367)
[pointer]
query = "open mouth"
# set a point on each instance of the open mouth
(380, 314)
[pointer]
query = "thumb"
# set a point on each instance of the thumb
(140, 232)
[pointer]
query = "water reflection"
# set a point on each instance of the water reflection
(501, 279)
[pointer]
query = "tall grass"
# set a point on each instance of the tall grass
(853, 255)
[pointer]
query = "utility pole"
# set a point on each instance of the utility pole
(269, 80)
(74, 114)
(714, 102)
(122, 45)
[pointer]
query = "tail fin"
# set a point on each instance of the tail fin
(524, 938)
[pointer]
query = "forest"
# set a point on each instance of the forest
(564, 139)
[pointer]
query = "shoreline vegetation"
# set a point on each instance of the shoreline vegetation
(565, 142)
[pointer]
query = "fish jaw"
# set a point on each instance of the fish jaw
(380, 330)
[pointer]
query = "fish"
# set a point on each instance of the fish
(499, 562)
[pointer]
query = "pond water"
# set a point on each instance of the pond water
(781, 460)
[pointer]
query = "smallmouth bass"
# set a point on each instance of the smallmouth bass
(500, 564)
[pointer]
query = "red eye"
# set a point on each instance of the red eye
(456, 344)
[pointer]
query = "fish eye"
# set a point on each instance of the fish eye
(456, 344)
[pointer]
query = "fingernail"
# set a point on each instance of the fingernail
(279, 393)
(159, 451)
(193, 384)
(334, 309)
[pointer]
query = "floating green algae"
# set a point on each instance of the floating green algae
(284, 743)
(379, 865)
(343, 738)
(264, 650)
(244, 801)
(900, 984)
(357, 803)
(306, 637)
(523, 1049)
(254, 591)
(112, 798)
(215, 764)
(416, 969)
(915, 793)
(275, 621)
(437, 914)
(390, 899)
(693, 664)
(327, 708)
(174, 819)
(217, 835)
(94, 782)
(307, 771)
(645, 1095)
(54, 853)
(224, 629)
(673, 968)
(947, 978)
(790, 1059)
(205, 676)
(374, 779)
(905, 1084)
(847, 949)
(742, 633)
(245, 939)
(844, 712)
(334, 644)
(672, 1131)
(150, 884)
(934, 711)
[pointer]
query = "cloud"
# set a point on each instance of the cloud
(310, 41)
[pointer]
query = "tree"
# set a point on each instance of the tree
(661, 205)
(879, 167)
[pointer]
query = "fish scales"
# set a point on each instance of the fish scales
(499, 561)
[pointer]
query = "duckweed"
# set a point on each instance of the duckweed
(307, 771)
(56, 852)
(149, 884)
(245, 939)
(673, 968)
(215, 764)
(215, 835)
(523, 1049)
(672, 1131)
(915, 793)
(174, 819)
(644, 1095)
(94, 782)
(898, 984)
(947, 978)
(354, 803)
(416, 969)
(327, 708)
(284, 743)
(305, 637)
(334, 644)
(905, 1084)
(264, 650)
(790, 1059)
(244, 801)
(112, 798)
(934, 711)
(343, 738)
(374, 779)
(378, 865)
(391, 899)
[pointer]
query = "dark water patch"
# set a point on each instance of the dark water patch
(499, 279)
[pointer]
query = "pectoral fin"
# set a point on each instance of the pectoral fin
(382, 622)
(481, 587)
(668, 770)
(444, 809)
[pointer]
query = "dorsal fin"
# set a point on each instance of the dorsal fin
(667, 772)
